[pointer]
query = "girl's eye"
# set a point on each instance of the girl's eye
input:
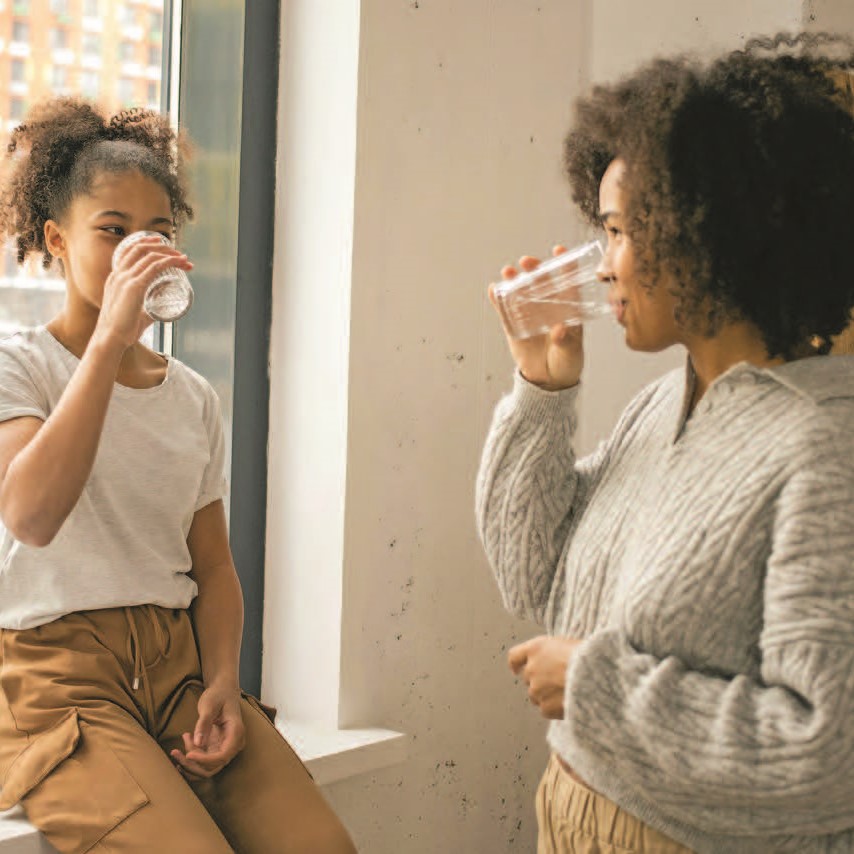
(118, 230)
(613, 232)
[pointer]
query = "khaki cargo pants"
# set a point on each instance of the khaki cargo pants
(87, 754)
(576, 820)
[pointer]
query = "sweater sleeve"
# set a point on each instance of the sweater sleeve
(527, 487)
(753, 757)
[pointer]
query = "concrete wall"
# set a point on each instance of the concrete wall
(387, 362)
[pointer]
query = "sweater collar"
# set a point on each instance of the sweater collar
(816, 378)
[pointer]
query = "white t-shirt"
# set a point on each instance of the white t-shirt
(161, 458)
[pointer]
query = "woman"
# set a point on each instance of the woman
(122, 724)
(694, 572)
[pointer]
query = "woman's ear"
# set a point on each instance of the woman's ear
(53, 239)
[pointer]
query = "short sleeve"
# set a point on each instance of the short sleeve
(20, 394)
(214, 484)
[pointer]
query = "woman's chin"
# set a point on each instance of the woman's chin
(644, 344)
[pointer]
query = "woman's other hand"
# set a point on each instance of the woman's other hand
(554, 360)
(542, 663)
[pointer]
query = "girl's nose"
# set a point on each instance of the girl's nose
(604, 272)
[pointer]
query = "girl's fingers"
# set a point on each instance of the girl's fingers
(139, 250)
(188, 768)
(145, 270)
(141, 253)
(559, 249)
(172, 258)
(528, 263)
(508, 272)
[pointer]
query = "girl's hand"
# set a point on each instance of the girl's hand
(218, 737)
(554, 360)
(122, 318)
(542, 662)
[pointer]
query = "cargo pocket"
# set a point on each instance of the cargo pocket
(71, 785)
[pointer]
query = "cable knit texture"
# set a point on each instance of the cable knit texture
(708, 564)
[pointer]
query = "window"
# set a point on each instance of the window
(154, 55)
(127, 51)
(59, 77)
(125, 91)
(91, 44)
(18, 71)
(59, 38)
(90, 84)
(17, 108)
(127, 16)
(20, 32)
(32, 295)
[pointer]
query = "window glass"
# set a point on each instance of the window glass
(92, 44)
(59, 38)
(90, 85)
(59, 78)
(101, 55)
(18, 71)
(21, 32)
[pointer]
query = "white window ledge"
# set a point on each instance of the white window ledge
(335, 754)
(18, 836)
(329, 754)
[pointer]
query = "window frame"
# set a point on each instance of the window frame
(241, 320)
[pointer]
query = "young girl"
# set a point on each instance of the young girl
(122, 725)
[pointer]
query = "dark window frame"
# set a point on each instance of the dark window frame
(249, 313)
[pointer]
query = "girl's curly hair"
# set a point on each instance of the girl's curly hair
(739, 183)
(62, 146)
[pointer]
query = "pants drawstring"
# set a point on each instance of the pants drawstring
(135, 654)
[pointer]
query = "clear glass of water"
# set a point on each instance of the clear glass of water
(170, 295)
(563, 290)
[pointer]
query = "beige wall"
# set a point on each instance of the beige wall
(387, 362)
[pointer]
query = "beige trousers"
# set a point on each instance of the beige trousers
(573, 819)
(91, 705)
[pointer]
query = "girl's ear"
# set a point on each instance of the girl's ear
(53, 239)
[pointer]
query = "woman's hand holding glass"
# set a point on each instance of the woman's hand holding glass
(552, 361)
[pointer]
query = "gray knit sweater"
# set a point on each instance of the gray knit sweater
(708, 564)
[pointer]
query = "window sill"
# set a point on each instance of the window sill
(18, 836)
(336, 754)
(329, 754)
